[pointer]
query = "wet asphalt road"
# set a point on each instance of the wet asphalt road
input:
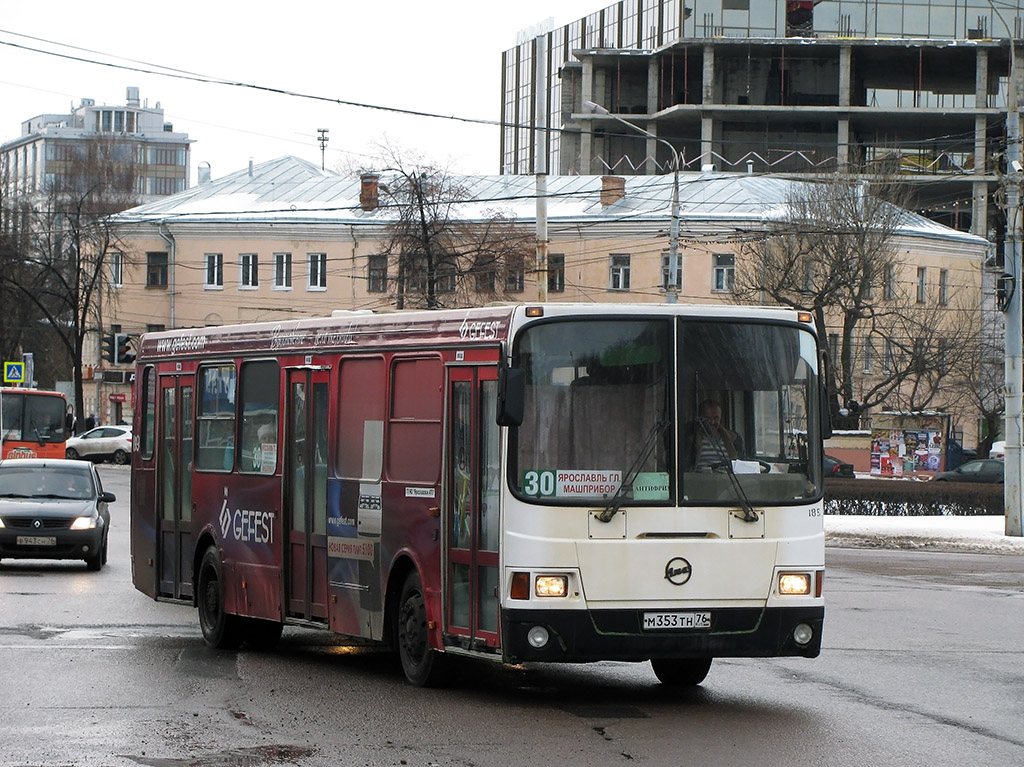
(922, 665)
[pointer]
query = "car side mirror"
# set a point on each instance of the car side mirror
(107, 497)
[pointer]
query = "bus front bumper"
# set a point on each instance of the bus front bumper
(582, 636)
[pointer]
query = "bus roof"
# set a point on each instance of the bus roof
(475, 326)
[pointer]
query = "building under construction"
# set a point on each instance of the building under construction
(754, 86)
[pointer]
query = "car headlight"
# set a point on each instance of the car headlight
(83, 523)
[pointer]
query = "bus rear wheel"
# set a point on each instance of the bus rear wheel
(220, 630)
(423, 666)
(681, 672)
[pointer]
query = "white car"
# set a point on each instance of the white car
(998, 449)
(113, 443)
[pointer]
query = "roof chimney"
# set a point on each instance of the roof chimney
(368, 191)
(613, 189)
(204, 172)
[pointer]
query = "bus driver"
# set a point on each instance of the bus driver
(712, 443)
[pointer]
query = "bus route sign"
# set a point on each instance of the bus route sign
(14, 372)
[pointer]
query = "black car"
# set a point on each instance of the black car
(53, 509)
(833, 467)
(983, 470)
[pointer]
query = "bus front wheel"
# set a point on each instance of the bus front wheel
(681, 672)
(423, 666)
(220, 629)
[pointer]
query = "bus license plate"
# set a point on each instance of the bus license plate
(37, 540)
(693, 620)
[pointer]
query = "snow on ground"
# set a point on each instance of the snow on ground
(976, 534)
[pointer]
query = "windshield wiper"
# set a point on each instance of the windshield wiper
(14, 495)
(749, 515)
(616, 501)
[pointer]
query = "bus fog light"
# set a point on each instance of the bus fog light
(794, 583)
(537, 636)
(551, 586)
(803, 634)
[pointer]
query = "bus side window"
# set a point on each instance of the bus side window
(215, 418)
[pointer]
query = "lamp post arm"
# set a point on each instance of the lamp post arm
(672, 283)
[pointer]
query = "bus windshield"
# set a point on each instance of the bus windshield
(32, 416)
(719, 412)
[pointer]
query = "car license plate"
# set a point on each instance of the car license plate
(37, 540)
(691, 620)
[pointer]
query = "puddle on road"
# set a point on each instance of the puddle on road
(236, 757)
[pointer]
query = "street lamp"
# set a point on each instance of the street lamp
(671, 288)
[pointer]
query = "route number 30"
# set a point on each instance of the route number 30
(539, 483)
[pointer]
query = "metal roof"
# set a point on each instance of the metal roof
(289, 189)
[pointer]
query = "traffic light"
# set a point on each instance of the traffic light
(125, 354)
(107, 347)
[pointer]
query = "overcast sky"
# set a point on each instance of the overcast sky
(442, 57)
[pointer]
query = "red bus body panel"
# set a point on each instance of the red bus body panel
(241, 514)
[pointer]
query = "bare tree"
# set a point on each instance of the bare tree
(442, 257)
(835, 254)
(62, 242)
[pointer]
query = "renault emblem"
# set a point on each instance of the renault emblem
(678, 571)
(37, 524)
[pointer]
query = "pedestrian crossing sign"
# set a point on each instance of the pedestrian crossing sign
(14, 372)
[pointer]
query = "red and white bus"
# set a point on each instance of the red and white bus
(33, 423)
(515, 483)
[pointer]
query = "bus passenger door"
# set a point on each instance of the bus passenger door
(472, 524)
(305, 487)
(174, 486)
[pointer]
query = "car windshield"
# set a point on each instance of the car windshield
(602, 422)
(45, 482)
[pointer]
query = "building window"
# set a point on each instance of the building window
(250, 277)
(556, 273)
(156, 270)
(165, 186)
(944, 286)
(810, 272)
(889, 292)
(377, 274)
(618, 272)
(515, 274)
(887, 356)
(444, 279)
(922, 284)
(833, 346)
(723, 273)
(116, 268)
(869, 355)
(282, 271)
(317, 271)
(214, 271)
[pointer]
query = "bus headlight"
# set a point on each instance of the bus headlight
(551, 586)
(795, 584)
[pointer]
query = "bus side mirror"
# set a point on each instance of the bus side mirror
(826, 414)
(511, 396)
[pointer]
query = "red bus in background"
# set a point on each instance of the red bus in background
(33, 423)
(511, 483)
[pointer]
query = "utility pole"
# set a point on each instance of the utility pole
(540, 161)
(1012, 499)
(672, 283)
(323, 139)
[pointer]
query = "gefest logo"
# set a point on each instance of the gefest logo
(247, 525)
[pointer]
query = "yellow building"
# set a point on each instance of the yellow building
(285, 239)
